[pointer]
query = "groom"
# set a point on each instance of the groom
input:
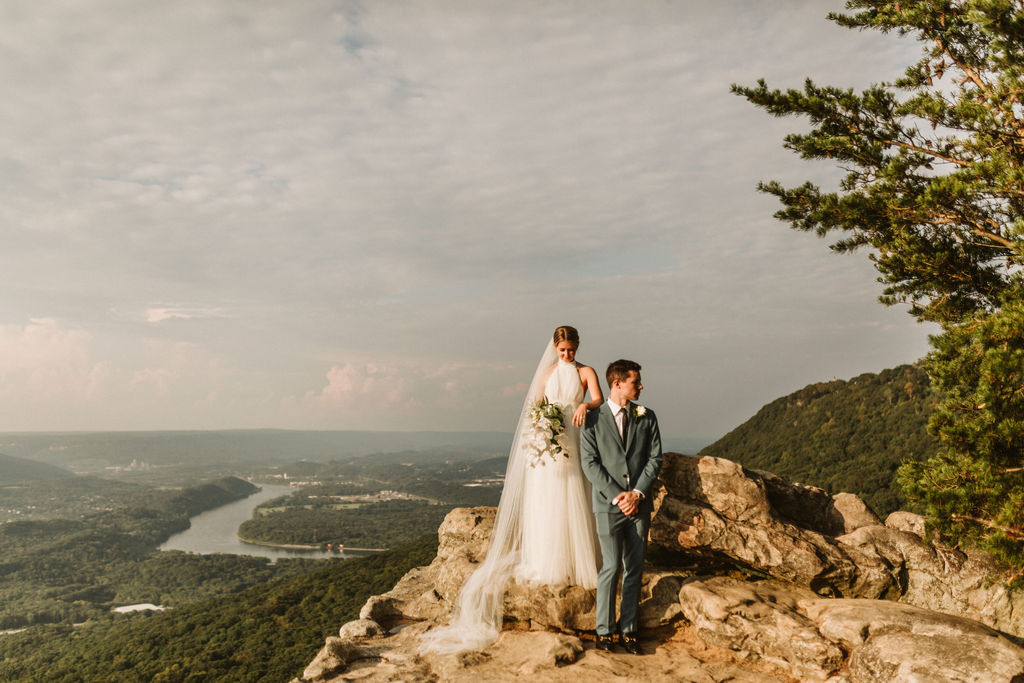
(621, 453)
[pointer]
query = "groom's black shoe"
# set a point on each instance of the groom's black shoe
(630, 643)
(605, 643)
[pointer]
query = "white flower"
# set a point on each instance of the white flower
(640, 411)
(545, 434)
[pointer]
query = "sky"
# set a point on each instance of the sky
(220, 214)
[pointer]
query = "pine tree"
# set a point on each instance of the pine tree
(934, 187)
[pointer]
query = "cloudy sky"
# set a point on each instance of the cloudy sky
(338, 215)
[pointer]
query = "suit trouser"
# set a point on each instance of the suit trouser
(623, 542)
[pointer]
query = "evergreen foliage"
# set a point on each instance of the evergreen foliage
(934, 186)
(264, 634)
(974, 488)
(841, 435)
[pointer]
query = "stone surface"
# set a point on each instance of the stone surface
(335, 656)
(463, 539)
(761, 620)
(566, 608)
(854, 512)
(831, 544)
(361, 628)
(750, 578)
(941, 579)
(716, 507)
(659, 598)
(896, 642)
(901, 520)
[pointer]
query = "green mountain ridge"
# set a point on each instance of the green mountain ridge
(843, 435)
(18, 470)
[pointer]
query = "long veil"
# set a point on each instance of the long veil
(477, 616)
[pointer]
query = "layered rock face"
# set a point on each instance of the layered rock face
(833, 545)
(749, 578)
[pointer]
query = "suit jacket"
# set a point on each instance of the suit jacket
(613, 467)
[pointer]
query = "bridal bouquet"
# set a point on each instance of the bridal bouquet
(547, 429)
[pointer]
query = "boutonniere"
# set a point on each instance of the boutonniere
(639, 411)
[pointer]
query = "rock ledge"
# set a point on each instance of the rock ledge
(750, 578)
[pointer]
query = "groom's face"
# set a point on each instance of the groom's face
(631, 386)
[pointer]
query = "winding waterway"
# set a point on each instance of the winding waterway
(215, 531)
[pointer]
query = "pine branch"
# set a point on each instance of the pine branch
(946, 219)
(971, 74)
(923, 150)
(1016, 534)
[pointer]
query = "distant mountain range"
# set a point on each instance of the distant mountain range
(841, 435)
(96, 452)
(93, 452)
(18, 470)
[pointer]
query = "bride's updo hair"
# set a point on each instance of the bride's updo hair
(566, 333)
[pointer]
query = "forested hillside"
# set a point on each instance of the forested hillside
(72, 570)
(17, 470)
(354, 502)
(376, 525)
(266, 633)
(841, 435)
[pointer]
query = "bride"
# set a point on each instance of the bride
(544, 530)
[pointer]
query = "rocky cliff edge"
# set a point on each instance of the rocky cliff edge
(748, 578)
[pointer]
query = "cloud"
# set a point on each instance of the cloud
(424, 190)
(518, 389)
(402, 394)
(160, 314)
(43, 361)
(159, 378)
(368, 388)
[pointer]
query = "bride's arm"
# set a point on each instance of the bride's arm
(589, 379)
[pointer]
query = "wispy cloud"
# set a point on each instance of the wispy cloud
(159, 314)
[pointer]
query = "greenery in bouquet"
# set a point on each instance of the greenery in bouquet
(545, 434)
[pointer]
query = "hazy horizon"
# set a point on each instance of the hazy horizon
(259, 443)
(349, 216)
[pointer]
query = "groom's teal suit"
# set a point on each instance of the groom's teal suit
(613, 468)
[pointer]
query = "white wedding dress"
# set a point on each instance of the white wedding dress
(559, 544)
(544, 531)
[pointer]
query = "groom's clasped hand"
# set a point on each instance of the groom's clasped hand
(628, 502)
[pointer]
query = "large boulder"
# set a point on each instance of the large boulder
(862, 641)
(833, 545)
(761, 620)
(895, 642)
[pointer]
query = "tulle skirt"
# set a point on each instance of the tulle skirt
(559, 541)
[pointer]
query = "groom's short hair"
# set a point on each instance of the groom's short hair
(618, 371)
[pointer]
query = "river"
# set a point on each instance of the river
(215, 531)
